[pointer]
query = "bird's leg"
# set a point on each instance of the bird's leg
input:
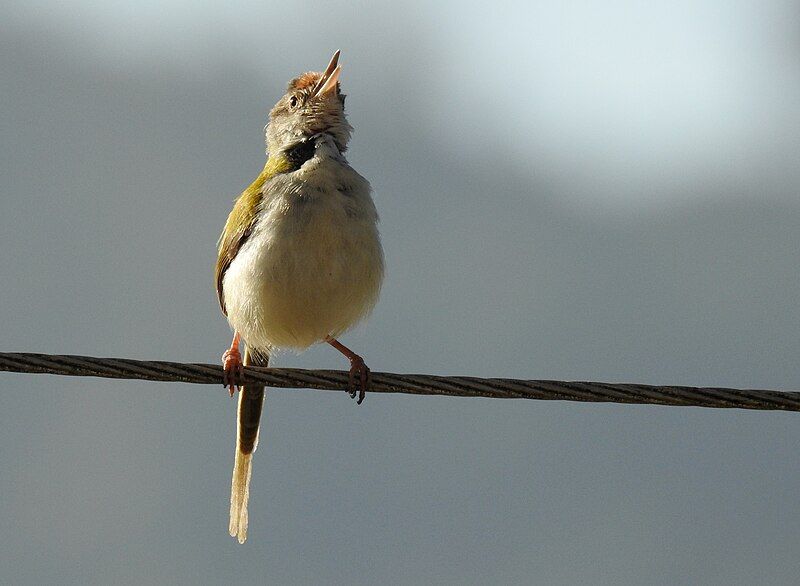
(232, 363)
(357, 367)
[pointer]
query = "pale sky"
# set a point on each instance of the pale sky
(568, 190)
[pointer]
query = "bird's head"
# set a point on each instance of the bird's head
(312, 105)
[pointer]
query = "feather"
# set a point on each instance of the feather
(251, 400)
(242, 219)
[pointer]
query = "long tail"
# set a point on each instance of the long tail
(251, 400)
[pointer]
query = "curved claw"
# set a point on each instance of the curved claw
(357, 368)
(360, 369)
(233, 369)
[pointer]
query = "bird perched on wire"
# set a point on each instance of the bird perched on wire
(299, 260)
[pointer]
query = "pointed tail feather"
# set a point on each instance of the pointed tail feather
(251, 400)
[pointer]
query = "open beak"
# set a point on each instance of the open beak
(329, 79)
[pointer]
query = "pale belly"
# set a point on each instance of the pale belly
(311, 269)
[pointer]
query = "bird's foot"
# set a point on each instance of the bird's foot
(359, 371)
(232, 366)
(232, 363)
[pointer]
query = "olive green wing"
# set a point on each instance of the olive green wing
(244, 214)
(238, 229)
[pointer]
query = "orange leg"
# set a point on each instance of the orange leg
(232, 363)
(357, 368)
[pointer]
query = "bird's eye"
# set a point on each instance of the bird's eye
(293, 102)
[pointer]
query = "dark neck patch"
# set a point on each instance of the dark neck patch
(300, 153)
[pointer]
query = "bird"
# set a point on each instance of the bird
(300, 259)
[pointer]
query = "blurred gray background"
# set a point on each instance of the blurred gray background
(570, 190)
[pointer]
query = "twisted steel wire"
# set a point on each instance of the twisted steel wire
(415, 384)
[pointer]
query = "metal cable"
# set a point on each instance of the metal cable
(415, 384)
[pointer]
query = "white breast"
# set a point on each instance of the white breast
(313, 265)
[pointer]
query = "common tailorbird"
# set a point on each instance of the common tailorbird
(299, 260)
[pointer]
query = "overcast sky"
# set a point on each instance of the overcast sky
(568, 190)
